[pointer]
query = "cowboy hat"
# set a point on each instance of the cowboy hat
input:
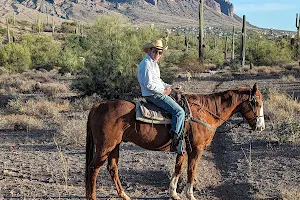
(157, 44)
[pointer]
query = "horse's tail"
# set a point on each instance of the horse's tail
(89, 154)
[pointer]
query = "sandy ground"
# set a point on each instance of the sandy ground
(237, 165)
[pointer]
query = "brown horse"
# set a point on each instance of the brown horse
(111, 122)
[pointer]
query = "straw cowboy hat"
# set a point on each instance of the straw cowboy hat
(157, 44)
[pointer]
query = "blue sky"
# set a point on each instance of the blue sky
(276, 14)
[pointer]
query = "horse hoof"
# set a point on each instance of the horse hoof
(191, 198)
(124, 196)
(175, 197)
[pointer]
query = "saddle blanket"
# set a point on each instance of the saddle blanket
(150, 113)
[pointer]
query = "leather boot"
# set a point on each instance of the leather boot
(175, 141)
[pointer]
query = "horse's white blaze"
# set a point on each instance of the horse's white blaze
(173, 187)
(189, 192)
(260, 124)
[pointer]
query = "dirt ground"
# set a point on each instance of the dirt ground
(238, 165)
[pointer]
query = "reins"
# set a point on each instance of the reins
(191, 118)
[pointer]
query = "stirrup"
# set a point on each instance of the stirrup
(180, 147)
(174, 145)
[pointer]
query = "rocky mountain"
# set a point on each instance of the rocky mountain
(140, 12)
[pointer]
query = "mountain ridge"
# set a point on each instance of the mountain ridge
(168, 13)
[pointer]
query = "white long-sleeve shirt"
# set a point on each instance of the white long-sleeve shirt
(149, 77)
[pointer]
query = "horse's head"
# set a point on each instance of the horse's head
(252, 110)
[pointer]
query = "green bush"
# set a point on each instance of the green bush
(70, 62)
(115, 51)
(44, 50)
(261, 51)
(15, 57)
(72, 57)
(68, 27)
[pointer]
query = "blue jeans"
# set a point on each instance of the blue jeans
(168, 104)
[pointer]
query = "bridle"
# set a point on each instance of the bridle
(251, 101)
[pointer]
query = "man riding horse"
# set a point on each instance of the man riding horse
(155, 90)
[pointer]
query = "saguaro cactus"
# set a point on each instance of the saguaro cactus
(232, 45)
(8, 31)
(39, 23)
(225, 48)
(53, 25)
(14, 18)
(201, 32)
(298, 36)
(297, 25)
(243, 53)
(168, 31)
(186, 42)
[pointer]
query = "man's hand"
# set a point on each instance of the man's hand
(176, 87)
(167, 91)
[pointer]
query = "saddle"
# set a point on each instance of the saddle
(150, 113)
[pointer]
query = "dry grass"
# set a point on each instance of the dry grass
(280, 106)
(288, 78)
(73, 132)
(32, 82)
(283, 112)
(39, 108)
(84, 104)
(11, 84)
(53, 89)
(266, 70)
(21, 122)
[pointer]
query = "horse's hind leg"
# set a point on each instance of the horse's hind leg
(93, 170)
(112, 167)
(180, 161)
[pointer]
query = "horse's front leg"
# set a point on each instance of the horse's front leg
(180, 161)
(193, 160)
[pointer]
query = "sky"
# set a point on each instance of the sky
(276, 14)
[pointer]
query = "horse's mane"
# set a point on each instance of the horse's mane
(216, 102)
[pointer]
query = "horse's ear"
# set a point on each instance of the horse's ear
(255, 88)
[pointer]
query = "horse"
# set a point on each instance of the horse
(113, 121)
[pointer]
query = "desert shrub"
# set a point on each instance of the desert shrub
(43, 49)
(289, 78)
(176, 41)
(15, 57)
(13, 83)
(3, 71)
(173, 57)
(68, 27)
(3, 31)
(53, 89)
(190, 62)
(37, 108)
(28, 87)
(115, 51)
(85, 103)
(72, 133)
(288, 131)
(73, 54)
(69, 62)
(261, 51)
(283, 112)
(21, 122)
(214, 55)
